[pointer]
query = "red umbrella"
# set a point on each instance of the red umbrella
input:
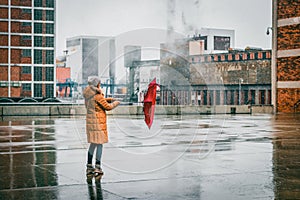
(149, 103)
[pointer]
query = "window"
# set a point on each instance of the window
(38, 56)
(26, 86)
(26, 52)
(26, 69)
(49, 28)
(49, 41)
(49, 73)
(38, 73)
(26, 23)
(49, 90)
(26, 10)
(38, 28)
(50, 3)
(221, 43)
(38, 3)
(49, 15)
(38, 14)
(38, 41)
(49, 57)
(26, 37)
(38, 90)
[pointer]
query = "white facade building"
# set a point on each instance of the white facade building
(91, 56)
(212, 40)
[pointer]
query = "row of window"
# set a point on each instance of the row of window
(38, 56)
(36, 3)
(40, 72)
(48, 3)
(38, 89)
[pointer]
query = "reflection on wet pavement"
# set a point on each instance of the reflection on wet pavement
(243, 156)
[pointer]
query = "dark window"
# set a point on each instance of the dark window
(38, 41)
(26, 37)
(49, 41)
(38, 90)
(49, 15)
(50, 3)
(38, 56)
(38, 3)
(26, 52)
(38, 28)
(246, 99)
(49, 28)
(38, 73)
(26, 69)
(38, 14)
(26, 86)
(26, 23)
(231, 97)
(221, 43)
(49, 90)
(262, 96)
(49, 73)
(49, 57)
(26, 10)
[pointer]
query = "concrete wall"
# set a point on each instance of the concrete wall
(67, 110)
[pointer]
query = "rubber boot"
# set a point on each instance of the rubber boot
(98, 171)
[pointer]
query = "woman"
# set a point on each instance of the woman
(96, 128)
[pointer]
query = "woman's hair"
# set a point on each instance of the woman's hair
(93, 80)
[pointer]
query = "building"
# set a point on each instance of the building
(27, 48)
(212, 40)
(286, 56)
(63, 76)
(90, 56)
(235, 77)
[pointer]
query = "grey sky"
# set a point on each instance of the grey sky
(249, 18)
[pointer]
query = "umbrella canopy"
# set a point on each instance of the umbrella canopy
(149, 103)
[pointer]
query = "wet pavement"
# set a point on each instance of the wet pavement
(181, 157)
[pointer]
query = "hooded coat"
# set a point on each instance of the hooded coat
(96, 107)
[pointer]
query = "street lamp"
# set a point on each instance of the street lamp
(240, 89)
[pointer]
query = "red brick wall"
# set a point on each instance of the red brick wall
(16, 13)
(288, 69)
(286, 99)
(288, 37)
(3, 55)
(3, 13)
(3, 26)
(15, 73)
(15, 91)
(4, 2)
(3, 40)
(21, 2)
(25, 77)
(288, 8)
(16, 27)
(4, 73)
(3, 91)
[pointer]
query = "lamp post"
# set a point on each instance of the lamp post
(240, 89)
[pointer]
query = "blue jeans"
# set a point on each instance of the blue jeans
(98, 153)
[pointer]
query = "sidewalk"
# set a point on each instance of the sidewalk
(190, 157)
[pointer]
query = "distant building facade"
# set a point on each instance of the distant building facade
(90, 56)
(27, 48)
(234, 77)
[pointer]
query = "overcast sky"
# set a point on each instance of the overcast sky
(144, 22)
(249, 18)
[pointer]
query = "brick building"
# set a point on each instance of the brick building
(286, 55)
(233, 78)
(27, 48)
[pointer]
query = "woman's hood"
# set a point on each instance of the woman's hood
(90, 91)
